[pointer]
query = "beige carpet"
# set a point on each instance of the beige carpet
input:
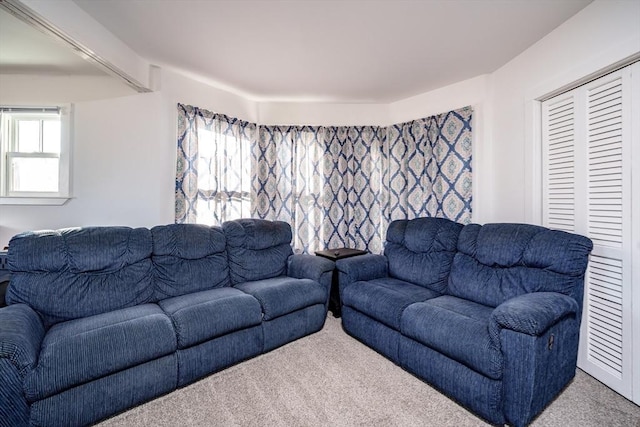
(330, 379)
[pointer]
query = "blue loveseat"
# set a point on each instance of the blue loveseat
(101, 319)
(490, 315)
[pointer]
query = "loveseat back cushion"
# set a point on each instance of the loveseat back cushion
(257, 249)
(421, 250)
(496, 262)
(189, 258)
(80, 272)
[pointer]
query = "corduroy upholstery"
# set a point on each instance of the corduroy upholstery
(81, 272)
(283, 295)
(101, 319)
(74, 352)
(293, 289)
(385, 299)
(258, 249)
(420, 251)
(204, 315)
(188, 258)
(461, 333)
(498, 330)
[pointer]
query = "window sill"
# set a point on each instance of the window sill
(34, 201)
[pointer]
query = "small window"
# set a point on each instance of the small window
(35, 155)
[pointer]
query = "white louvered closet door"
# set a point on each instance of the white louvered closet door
(588, 158)
(559, 134)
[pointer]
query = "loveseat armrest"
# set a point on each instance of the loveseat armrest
(531, 314)
(21, 335)
(305, 266)
(537, 335)
(363, 267)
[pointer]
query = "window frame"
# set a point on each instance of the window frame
(9, 117)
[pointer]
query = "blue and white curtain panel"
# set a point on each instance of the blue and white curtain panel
(213, 167)
(324, 181)
(429, 167)
(336, 186)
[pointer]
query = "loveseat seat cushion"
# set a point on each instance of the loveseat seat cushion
(385, 299)
(456, 328)
(79, 272)
(188, 258)
(421, 250)
(257, 249)
(496, 262)
(81, 350)
(283, 295)
(204, 315)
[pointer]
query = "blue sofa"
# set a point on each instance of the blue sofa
(490, 315)
(101, 319)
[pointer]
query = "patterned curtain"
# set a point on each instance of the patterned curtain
(358, 204)
(289, 181)
(336, 186)
(213, 167)
(324, 181)
(428, 170)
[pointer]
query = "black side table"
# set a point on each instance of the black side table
(334, 255)
(5, 275)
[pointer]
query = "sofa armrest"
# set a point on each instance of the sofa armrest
(531, 314)
(21, 335)
(363, 267)
(305, 266)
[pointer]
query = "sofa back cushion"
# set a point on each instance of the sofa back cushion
(188, 258)
(421, 250)
(496, 262)
(257, 249)
(79, 272)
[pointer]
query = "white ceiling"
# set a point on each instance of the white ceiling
(334, 51)
(338, 51)
(25, 50)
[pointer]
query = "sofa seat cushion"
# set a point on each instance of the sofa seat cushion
(82, 350)
(283, 295)
(205, 315)
(385, 299)
(456, 328)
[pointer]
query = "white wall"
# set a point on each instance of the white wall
(468, 92)
(461, 94)
(122, 170)
(44, 90)
(603, 33)
(178, 88)
(323, 114)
